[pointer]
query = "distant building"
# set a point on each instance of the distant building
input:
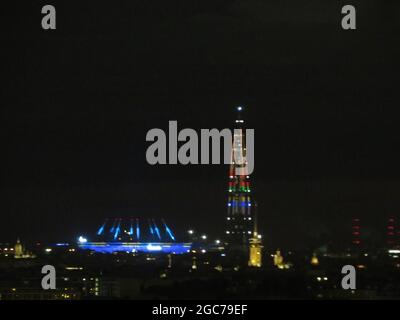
(279, 262)
(20, 253)
(278, 259)
(314, 260)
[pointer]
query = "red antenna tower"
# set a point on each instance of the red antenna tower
(391, 236)
(356, 232)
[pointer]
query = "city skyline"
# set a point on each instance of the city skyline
(102, 199)
(325, 115)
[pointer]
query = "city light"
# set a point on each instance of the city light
(82, 239)
(204, 237)
(190, 231)
(151, 247)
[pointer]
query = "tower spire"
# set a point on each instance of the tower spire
(240, 215)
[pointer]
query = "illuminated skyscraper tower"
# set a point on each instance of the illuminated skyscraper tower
(356, 232)
(240, 203)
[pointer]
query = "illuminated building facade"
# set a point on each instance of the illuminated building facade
(314, 260)
(255, 247)
(240, 204)
(20, 252)
(278, 259)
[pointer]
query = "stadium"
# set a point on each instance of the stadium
(134, 235)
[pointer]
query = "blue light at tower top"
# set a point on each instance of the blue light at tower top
(239, 108)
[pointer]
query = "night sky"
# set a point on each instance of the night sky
(77, 102)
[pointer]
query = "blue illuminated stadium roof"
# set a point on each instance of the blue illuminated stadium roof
(133, 235)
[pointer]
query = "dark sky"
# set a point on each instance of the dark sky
(77, 103)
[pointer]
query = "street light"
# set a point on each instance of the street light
(82, 239)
